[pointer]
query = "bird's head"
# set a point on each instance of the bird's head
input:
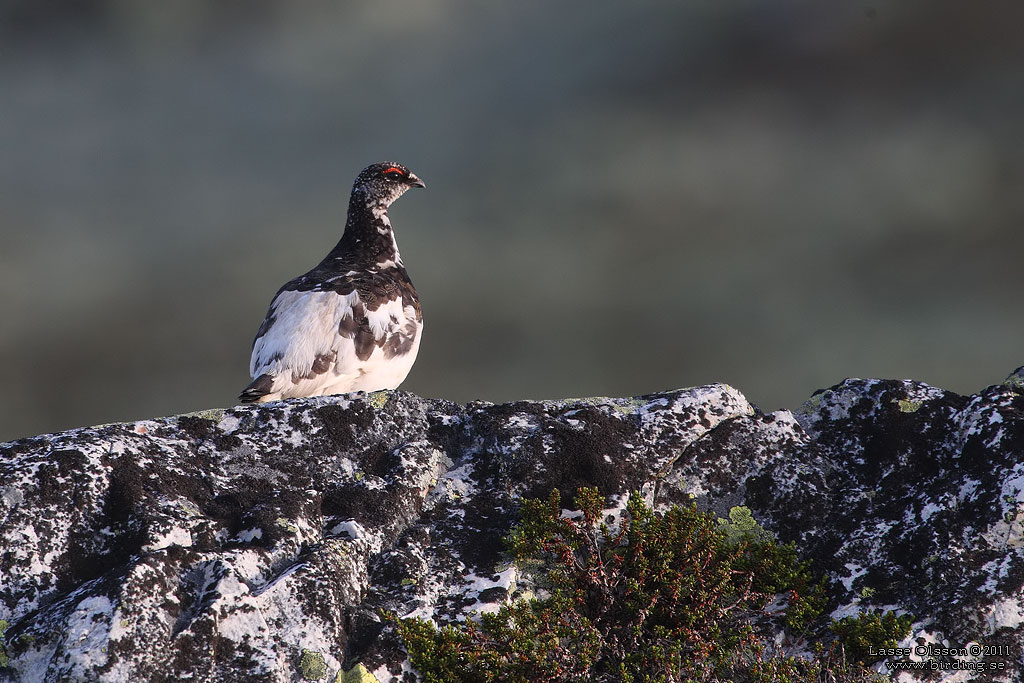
(383, 183)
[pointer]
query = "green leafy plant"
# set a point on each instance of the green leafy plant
(679, 596)
(878, 629)
(4, 659)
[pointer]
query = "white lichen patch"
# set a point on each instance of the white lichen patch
(248, 535)
(229, 423)
(691, 413)
(453, 485)
(521, 422)
(175, 536)
(427, 584)
(968, 489)
(10, 497)
(349, 527)
(919, 393)
(1007, 532)
(1005, 613)
(285, 604)
(928, 511)
(997, 570)
(777, 430)
(474, 584)
(382, 674)
(87, 632)
(856, 571)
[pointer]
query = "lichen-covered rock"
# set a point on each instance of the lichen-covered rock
(261, 543)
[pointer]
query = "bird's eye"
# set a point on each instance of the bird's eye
(393, 173)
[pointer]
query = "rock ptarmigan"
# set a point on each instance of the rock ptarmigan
(353, 323)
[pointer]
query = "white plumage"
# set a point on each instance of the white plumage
(306, 327)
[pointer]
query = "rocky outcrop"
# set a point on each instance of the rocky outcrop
(261, 543)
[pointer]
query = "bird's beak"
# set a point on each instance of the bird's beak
(413, 181)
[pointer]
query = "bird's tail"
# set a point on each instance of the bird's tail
(260, 387)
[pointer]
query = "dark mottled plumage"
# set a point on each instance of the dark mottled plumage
(354, 321)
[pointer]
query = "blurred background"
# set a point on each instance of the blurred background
(622, 197)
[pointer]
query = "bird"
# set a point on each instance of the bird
(352, 323)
